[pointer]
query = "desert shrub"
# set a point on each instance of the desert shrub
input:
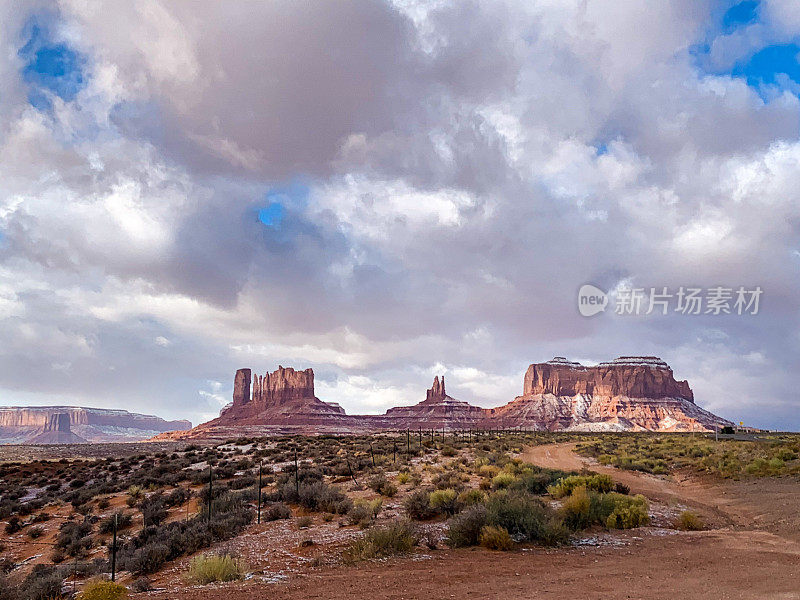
(7, 565)
(503, 481)
(576, 509)
(398, 537)
(277, 511)
(448, 451)
(101, 589)
(689, 521)
(449, 480)
(495, 538)
(43, 583)
(135, 492)
(35, 532)
(208, 568)
(147, 559)
(418, 506)
(8, 591)
(597, 483)
(107, 525)
(74, 538)
(464, 529)
(403, 477)
(536, 481)
(381, 485)
(153, 510)
(152, 547)
(444, 501)
(304, 522)
(316, 496)
(628, 511)
(471, 498)
(177, 497)
(141, 584)
(13, 525)
(621, 488)
(488, 471)
(364, 512)
(525, 517)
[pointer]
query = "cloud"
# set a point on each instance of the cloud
(386, 191)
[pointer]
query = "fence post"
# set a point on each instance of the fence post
(114, 550)
(349, 468)
(210, 491)
(296, 474)
(372, 453)
(259, 491)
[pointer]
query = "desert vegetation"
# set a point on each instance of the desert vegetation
(334, 500)
(768, 455)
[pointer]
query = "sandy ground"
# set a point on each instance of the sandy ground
(751, 551)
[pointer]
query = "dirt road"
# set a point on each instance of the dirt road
(712, 501)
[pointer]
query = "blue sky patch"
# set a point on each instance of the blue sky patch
(764, 65)
(51, 67)
(271, 215)
(740, 14)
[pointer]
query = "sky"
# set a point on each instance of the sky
(385, 191)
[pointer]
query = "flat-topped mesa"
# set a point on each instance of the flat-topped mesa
(630, 376)
(272, 389)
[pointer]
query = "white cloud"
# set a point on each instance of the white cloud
(463, 168)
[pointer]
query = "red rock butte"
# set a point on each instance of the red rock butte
(630, 393)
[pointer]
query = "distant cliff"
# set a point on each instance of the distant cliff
(72, 424)
(630, 393)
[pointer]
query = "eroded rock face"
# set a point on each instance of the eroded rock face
(438, 410)
(628, 393)
(436, 392)
(57, 431)
(283, 398)
(241, 386)
(631, 376)
(282, 386)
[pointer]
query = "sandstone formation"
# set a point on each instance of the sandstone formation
(630, 393)
(438, 410)
(57, 431)
(20, 425)
(277, 402)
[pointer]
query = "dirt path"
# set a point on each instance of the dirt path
(716, 506)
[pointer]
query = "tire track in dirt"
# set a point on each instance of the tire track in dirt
(708, 500)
